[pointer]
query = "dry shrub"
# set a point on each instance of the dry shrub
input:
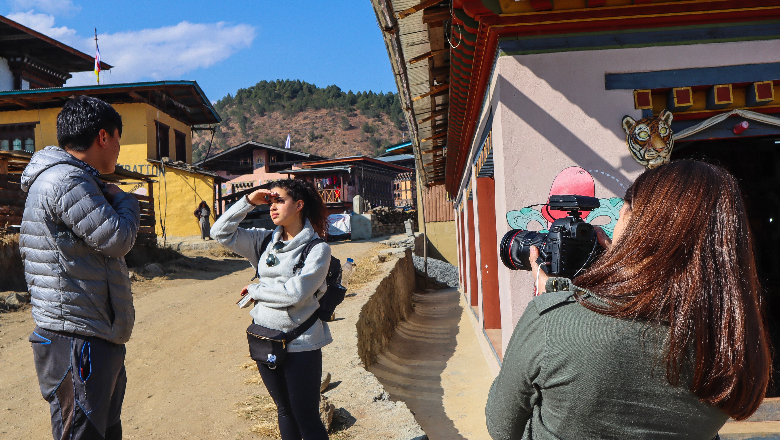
(262, 411)
(254, 379)
(340, 434)
(367, 268)
(8, 238)
(224, 252)
(248, 366)
(11, 261)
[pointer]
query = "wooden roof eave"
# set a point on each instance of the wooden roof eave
(493, 26)
(397, 39)
(39, 36)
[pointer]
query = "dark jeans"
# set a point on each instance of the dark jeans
(295, 388)
(83, 379)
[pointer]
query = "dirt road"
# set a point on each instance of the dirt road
(183, 362)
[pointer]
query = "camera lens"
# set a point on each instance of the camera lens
(516, 246)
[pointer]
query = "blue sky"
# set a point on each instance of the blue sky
(223, 45)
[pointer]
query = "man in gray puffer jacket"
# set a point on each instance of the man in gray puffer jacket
(75, 233)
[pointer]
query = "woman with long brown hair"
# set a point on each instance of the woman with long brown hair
(663, 337)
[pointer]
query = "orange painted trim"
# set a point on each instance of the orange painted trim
(472, 250)
(355, 159)
(488, 237)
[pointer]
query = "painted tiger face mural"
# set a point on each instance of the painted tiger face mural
(650, 140)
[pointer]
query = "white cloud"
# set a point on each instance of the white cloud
(44, 23)
(55, 7)
(149, 54)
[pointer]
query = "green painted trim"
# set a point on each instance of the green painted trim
(467, 36)
(493, 5)
(461, 15)
(96, 87)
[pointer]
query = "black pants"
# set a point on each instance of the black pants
(83, 379)
(295, 388)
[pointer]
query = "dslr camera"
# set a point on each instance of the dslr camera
(567, 249)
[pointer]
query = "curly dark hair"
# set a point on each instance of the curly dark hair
(313, 206)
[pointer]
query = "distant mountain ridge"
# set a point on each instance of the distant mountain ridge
(323, 121)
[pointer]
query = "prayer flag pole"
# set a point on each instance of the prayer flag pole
(97, 58)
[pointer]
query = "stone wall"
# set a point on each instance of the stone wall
(380, 229)
(390, 304)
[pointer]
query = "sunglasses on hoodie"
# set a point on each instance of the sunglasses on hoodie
(271, 260)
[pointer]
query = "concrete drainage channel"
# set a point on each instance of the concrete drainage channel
(367, 320)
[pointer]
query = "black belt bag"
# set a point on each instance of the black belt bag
(268, 346)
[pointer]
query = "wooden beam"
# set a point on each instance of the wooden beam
(24, 104)
(440, 71)
(434, 151)
(436, 136)
(137, 97)
(434, 15)
(434, 90)
(433, 115)
(542, 5)
(3, 165)
(427, 55)
(418, 7)
(438, 127)
(17, 37)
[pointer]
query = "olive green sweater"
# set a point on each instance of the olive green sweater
(571, 373)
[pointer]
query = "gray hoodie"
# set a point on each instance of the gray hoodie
(73, 242)
(284, 299)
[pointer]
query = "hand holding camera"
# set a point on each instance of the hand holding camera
(566, 250)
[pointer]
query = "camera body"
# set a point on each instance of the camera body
(569, 247)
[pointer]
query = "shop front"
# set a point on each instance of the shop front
(548, 98)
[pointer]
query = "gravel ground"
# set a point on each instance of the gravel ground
(441, 271)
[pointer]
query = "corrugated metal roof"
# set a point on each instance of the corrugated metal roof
(396, 158)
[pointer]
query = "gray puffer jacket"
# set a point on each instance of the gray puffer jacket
(73, 244)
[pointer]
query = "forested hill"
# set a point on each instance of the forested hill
(324, 121)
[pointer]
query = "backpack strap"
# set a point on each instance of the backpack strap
(309, 246)
(306, 325)
(261, 249)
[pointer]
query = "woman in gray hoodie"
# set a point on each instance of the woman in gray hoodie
(284, 298)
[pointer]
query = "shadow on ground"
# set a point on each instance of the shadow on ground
(194, 268)
(411, 368)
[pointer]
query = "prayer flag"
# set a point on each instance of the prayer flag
(97, 61)
(287, 142)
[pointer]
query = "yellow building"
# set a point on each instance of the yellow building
(158, 119)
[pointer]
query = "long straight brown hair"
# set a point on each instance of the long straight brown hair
(686, 260)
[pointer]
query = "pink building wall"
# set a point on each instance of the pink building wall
(552, 111)
(259, 160)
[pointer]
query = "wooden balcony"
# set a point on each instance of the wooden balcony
(330, 195)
